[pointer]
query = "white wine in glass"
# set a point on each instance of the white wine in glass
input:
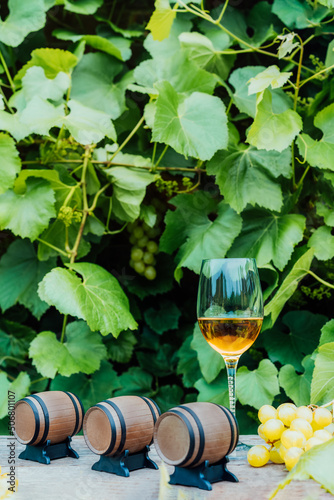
(230, 314)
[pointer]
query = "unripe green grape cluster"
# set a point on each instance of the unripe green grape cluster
(144, 248)
(290, 431)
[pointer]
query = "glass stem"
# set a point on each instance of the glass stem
(231, 368)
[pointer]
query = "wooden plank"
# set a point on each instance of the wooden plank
(70, 479)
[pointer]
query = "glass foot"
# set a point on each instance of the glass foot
(240, 452)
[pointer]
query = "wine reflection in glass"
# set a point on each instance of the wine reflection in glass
(230, 314)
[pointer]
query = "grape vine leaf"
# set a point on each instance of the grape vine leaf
(98, 299)
(52, 61)
(116, 46)
(323, 243)
(213, 392)
(247, 175)
(160, 363)
(20, 387)
(161, 20)
(287, 44)
(257, 387)
(289, 285)
(121, 349)
(188, 366)
(247, 103)
(193, 126)
(317, 463)
(55, 234)
(271, 76)
(83, 351)
(322, 387)
(99, 386)
(35, 82)
(327, 333)
(10, 164)
(165, 318)
(270, 130)
(23, 18)
(267, 237)
(85, 7)
(93, 84)
(20, 273)
(304, 333)
(298, 13)
(170, 45)
(29, 213)
(10, 123)
(210, 361)
(168, 397)
(330, 55)
(15, 339)
(135, 381)
(326, 212)
(297, 386)
(129, 189)
(320, 153)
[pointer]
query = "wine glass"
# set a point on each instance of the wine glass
(230, 314)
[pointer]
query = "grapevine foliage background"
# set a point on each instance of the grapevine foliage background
(214, 129)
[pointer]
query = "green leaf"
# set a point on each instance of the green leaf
(326, 212)
(193, 126)
(98, 299)
(271, 76)
(127, 33)
(115, 45)
(98, 387)
(202, 237)
(298, 13)
(15, 339)
(248, 176)
(327, 333)
(270, 130)
(161, 20)
(183, 74)
(317, 464)
(268, 237)
(20, 273)
(129, 189)
(188, 365)
(148, 215)
(10, 164)
(51, 60)
(214, 392)
(257, 387)
(55, 234)
(304, 332)
(330, 55)
(320, 153)
(135, 382)
(323, 243)
(121, 349)
(23, 18)
(297, 386)
(159, 364)
(82, 351)
(247, 103)
(171, 45)
(93, 84)
(270, 275)
(327, 3)
(165, 318)
(287, 44)
(35, 82)
(28, 214)
(322, 387)
(168, 397)
(20, 386)
(85, 7)
(210, 361)
(289, 285)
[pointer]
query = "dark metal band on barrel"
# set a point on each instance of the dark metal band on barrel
(234, 437)
(82, 410)
(76, 409)
(113, 428)
(147, 401)
(153, 402)
(36, 415)
(191, 436)
(46, 417)
(201, 435)
(122, 422)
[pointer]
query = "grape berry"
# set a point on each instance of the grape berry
(290, 431)
(144, 248)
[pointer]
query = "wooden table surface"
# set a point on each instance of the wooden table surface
(71, 479)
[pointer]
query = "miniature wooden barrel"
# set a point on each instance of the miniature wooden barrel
(52, 415)
(189, 434)
(121, 423)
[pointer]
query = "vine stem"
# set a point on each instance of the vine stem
(62, 338)
(59, 250)
(320, 279)
(316, 75)
(297, 85)
(154, 168)
(132, 133)
(5, 67)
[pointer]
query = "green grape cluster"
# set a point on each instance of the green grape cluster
(68, 215)
(290, 431)
(144, 248)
